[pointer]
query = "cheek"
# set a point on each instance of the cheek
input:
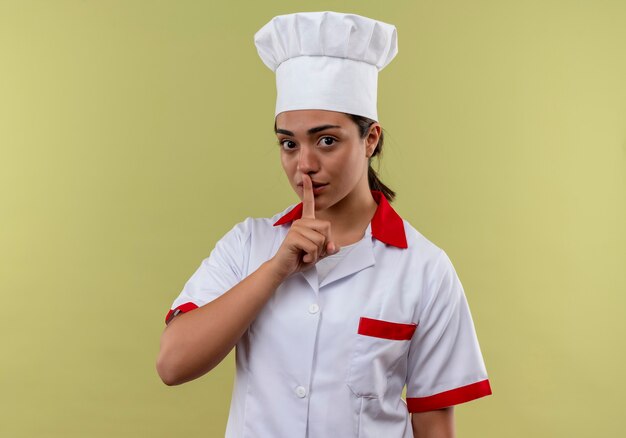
(288, 167)
(352, 164)
(284, 161)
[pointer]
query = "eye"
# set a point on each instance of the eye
(328, 141)
(287, 145)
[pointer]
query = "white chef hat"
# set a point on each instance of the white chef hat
(327, 60)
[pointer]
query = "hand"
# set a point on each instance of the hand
(308, 240)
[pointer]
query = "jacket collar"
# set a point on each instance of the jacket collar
(387, 226)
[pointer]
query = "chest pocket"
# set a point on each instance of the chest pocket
(378, 348)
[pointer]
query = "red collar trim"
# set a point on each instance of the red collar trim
(387, 225)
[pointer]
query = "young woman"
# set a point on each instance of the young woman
(336, 304)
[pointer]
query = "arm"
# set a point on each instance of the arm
(433, 424)
(193, 343)
(445, 365)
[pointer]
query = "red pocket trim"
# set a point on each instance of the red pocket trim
(386, 329)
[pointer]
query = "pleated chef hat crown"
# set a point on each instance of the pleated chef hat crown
(327, 60)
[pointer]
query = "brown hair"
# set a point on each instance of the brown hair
(375, 183)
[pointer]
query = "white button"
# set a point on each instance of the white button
(301, 391)
(314, 308)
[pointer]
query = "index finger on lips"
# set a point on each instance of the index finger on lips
(308, 202)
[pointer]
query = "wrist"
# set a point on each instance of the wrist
(272, 266)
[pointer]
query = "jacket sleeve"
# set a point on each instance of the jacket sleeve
(445, 364)
(220, 271)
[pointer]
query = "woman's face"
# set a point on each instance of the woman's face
(325, 145)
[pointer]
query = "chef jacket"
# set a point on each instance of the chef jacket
(331, 358)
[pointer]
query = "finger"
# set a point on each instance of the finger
(331, 248)
(308, 203)
(319, 225)
(311, 250)
(328, 247)
(315, 230)
(314, 236)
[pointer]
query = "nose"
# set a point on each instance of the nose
(307, 160)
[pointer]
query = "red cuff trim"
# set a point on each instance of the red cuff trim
(449, 398)
(386, 329)
(180, 309)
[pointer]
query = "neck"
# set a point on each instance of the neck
(350, 216)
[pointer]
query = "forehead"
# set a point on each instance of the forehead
(301, 120)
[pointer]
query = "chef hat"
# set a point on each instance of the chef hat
(327, 60)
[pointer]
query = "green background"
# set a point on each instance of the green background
(134, 134)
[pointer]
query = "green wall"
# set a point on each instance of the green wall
(134, 134)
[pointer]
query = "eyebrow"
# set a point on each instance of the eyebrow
(310, 131)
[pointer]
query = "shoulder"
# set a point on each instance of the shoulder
(440, 279)
(419, 245)
(249, 235)
(426, 255)
(264, 226)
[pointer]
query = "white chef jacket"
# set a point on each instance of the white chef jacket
(327, 264)
(331, 358)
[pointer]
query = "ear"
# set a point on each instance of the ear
(371, 140)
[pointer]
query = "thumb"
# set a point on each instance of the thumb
(331, 248)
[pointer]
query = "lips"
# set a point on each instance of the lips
(315, 184)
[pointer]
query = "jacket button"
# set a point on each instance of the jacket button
(314, 308)
(301, 391)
